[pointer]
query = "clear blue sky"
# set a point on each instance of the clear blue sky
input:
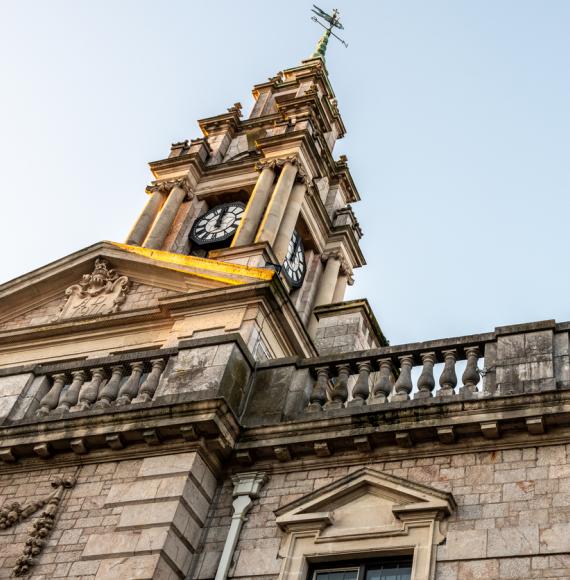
(458, 136)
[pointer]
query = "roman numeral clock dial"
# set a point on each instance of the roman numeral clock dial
(294, 266)
(218, 224)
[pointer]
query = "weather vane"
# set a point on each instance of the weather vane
(333, 21)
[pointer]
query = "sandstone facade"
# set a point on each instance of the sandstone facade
(178, 407)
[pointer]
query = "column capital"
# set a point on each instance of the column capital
(276, 162)
(336, 254)
(331, 254)
(166, 186)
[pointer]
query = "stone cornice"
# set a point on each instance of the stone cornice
(417, 428)
(226, 121)
(344, 177)
(187, 162)
(51, 281)
(274, 293)
(208, 424)
(308, 105)
(345, 236)
(321, 163)
(169, 308)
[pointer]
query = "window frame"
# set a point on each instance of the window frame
(361, 566)
(410, 520)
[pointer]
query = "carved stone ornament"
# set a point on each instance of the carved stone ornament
(237, 107)
(39, 532)
(278, 162)
(312, 90)
(101, 292)
(336, 254)
(167, 186)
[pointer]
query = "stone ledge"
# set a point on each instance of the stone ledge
(213, 423)
(387, 427)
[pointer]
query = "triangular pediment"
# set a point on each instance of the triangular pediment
(109, 278)
(364, 499)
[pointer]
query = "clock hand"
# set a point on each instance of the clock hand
(296, 245)
(221, 217)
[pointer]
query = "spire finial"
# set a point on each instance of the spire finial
(333, 21)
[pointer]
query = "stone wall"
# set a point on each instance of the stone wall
(347, 327)
(513, 517)
(139, 518)
(138, 296)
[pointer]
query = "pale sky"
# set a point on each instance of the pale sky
(458, 138)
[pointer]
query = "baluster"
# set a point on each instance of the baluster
(426, 382)
(361, 389)
(382, 389)
(130, 388)
(319, 393)
(403, 386)
(90, 391)
(448, 378)
(110, 391)
(471, 376)
(339, 393)
(51, 399)
(69, 398)
(149, 386)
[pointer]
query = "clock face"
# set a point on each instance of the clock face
(294, 265)
(217, 224)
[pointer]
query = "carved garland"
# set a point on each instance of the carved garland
(38, 534)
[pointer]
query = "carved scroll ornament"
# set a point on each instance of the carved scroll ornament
(101, 292)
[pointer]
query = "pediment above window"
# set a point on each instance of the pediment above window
(365, 514)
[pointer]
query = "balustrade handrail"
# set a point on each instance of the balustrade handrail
(393, 365)
(108, 361)
(415, 349)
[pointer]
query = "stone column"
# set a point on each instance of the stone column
(340, 288)
(326, 288)
(288, 222)
(255, 206)
(146, 218)
(165, 219)
(246, 489)
(274, 213)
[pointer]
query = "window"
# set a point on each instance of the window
(400, 569)
(370, 515)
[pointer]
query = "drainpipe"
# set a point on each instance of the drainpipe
(246, 489)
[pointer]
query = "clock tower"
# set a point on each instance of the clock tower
(266, 191)
(202, 402)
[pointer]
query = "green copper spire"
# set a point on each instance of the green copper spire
(321, 47)
(333, 21)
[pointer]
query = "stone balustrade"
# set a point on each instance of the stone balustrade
(512, 360)
(116, 383)
(440, 390)
(389, 377)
